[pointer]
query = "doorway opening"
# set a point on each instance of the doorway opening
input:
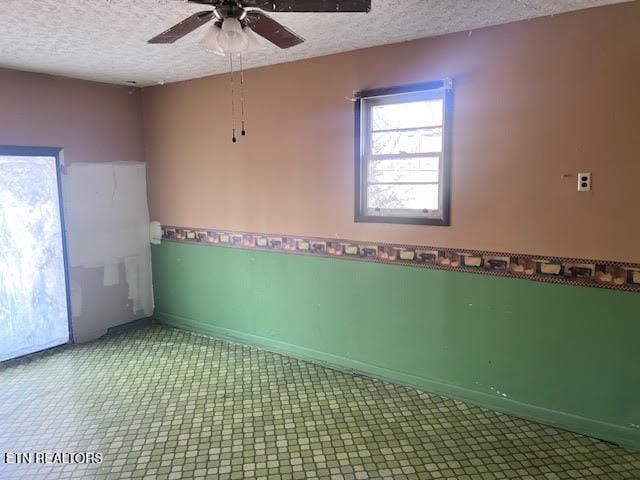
(34, 293)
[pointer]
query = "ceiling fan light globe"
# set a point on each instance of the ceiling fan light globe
(233, 45)
(253, 40)
(210, 40)
(232, 39)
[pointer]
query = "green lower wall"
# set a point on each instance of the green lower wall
(563, 355)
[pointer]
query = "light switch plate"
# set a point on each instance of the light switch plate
(584, 182)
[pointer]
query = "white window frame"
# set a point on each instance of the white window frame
(364, 103)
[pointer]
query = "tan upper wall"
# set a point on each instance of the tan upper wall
(534, 100)
(92, 122)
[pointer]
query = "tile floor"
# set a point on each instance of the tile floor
(162, 403)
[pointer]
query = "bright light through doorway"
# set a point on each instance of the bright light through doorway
(33, 295)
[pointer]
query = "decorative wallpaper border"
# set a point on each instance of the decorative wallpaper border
(572, 271)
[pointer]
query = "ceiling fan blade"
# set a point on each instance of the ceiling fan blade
(181, 29)
(213, 3)
(310, 5)
(268, 28)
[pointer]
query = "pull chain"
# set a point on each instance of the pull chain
(243, 132)
(233, 110)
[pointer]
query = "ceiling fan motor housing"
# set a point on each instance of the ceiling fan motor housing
(230, 10)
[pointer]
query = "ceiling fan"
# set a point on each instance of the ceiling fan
(235, 22)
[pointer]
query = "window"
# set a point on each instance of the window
(402, 150)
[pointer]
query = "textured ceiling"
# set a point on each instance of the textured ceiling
(105, 40)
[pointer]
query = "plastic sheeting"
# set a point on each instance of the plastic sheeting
(33, 301)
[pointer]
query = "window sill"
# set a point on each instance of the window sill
(438, 222)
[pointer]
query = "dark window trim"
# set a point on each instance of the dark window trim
(446, 153)
(23, 151)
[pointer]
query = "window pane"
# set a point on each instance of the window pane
(410, 141)
(404, 170)
(426, 113)
(417, 197)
